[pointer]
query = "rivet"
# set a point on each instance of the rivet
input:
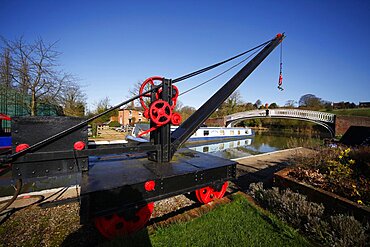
(71, 167)
(19, 174)
(59, 169)
(46, 171)
(33, 172)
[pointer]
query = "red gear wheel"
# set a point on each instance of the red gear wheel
(160, 112)
(150, 81)
(116, 225)
(208, 194)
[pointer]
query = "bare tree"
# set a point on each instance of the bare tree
(6, 69)
(73, 101)
(134, 90)
(35, 71)
(291, 103)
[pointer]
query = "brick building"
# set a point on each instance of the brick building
(131, 115)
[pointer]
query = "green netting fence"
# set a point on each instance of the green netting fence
(13, 103)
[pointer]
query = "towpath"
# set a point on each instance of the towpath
(261, 167)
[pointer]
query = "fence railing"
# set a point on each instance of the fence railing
(294, 113)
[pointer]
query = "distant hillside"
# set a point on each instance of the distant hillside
(364, 112)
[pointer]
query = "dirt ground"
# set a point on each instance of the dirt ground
(109, 134)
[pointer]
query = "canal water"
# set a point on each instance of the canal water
(261, 142)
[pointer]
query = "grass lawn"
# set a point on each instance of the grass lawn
(365, 112)
(235, 224)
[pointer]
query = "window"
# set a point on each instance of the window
(140, 113)
(205, 149)
(222, 132)
(206, 133)
(231, 132)
(238, 132)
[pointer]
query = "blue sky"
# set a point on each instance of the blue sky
(111, 45)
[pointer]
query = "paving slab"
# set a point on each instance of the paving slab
(261, 167)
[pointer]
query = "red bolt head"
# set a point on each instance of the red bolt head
(21, 147)
(149, 185)
(80, 145)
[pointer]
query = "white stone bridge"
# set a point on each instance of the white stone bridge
(327, 120)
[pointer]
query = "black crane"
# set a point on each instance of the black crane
(120, 182)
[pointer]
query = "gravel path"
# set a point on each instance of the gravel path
(60, 226)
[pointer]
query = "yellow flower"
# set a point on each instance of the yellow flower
(360, 202)
(347, 150)
(351, 162)
(340, 156)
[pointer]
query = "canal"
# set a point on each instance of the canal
(261, 142)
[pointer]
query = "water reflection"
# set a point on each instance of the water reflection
(260, 143)
(228, 149)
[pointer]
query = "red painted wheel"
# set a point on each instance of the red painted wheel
(176, 119)
(160, 112)
(116, 225)
(145, 87)
(208, 194)
(174, 97)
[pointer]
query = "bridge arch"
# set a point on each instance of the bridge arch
(327, 120)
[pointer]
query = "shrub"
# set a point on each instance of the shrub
(343, 171)
(290, 206)
(308, 217)
(345, 231)
(114, 124)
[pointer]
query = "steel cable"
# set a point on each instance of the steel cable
(217, 64)
(218, 75)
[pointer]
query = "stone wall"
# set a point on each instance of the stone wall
(344, 122)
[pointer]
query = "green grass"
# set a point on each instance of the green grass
(364, 112)
(235, 224)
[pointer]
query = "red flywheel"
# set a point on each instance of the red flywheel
(207, 194)
(145, 87)
(117, 224)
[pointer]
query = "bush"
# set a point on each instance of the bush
(308, 217)
(341, 170)
(290, 206)
(345, 231)
(114, 124)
